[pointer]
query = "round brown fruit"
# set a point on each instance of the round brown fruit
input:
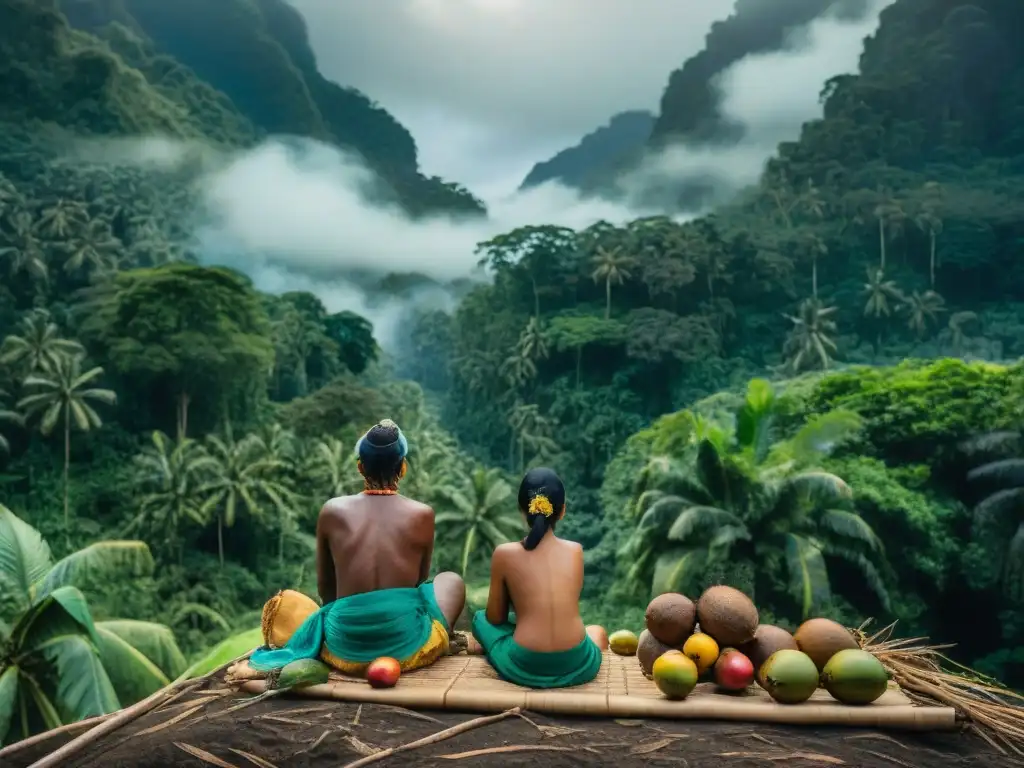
(821, 639)
(648, 650)
(670, 618)
(727, 615)
(767, 640)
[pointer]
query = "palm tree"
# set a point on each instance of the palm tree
(928, 221)
(924, 311)
(957, 330)
(879, 292)
(333, 468)
(533, 342)
(890, 215)
(57, 665)
(169, 476)
(483, 513)
(741, 498)
(612, 267)
(241, 473)
(56, 222)
(63, 397)
(998, 477)
(810, 336)
(40, 347)
(8, 416)
(23, 250)
(94, 247)
(817, 248)
(530, 428)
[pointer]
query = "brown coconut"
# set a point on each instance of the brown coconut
(821, 639)
(767, 640)
(670, 618)
(727, 615)
(648, 650)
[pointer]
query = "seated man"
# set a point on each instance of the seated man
(544, 644)
(373, 559)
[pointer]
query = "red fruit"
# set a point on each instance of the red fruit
(734, 671)
(383, 672)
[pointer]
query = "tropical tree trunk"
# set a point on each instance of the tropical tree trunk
(220, 537)
(183, 401)
(536, 298)
(67, 464)
(931, 258)
(814, 277)
(881, 242)
(608, 298)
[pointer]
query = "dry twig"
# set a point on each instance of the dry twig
(435, 738)
(126, 716)
(928, 676)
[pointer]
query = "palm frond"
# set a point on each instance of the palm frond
(823, 433)
(850, 525)
(111, 560)
(692, 520)
(999, 505)
(998, 474)
(808, 576)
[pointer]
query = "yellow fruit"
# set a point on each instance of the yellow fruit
(675, 674)
(702, 650)
(623, 643)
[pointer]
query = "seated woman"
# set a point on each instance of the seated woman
(544, 643)
(373, 559)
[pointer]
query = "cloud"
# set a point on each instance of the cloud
(489, 87)
(771, 95)
(293, 214)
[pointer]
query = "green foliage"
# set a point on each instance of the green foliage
(56, 665)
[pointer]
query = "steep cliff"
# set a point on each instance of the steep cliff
(234, 71)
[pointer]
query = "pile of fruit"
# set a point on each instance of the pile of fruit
(720, 637)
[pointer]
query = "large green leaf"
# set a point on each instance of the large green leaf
(101, 560)
(83, 688)
(850, 525)
(38, 711)
(63, 612)
(24, 556)
(8, 700)
(697, 520)
(223, 652)
(808, 575)
(132, 675)
(154, 641)
(823, 433)
(674, 569)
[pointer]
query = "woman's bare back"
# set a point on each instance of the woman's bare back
(543, 587)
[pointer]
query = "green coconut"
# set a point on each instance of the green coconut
(854, 676)
(789, 676)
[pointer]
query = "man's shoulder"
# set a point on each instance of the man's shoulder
(418, 507)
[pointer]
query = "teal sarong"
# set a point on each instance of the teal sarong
(535, 669)
(360, 628)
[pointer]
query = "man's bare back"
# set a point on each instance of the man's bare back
(544, 587)
(368, 542)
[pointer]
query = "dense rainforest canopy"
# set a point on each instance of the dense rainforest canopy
(727, 398)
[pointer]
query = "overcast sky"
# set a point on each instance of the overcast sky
(489, 87)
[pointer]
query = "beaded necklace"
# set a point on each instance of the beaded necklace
(380, 491)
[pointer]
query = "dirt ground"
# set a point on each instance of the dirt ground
(296, 732)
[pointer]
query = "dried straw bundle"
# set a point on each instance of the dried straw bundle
(928, 676)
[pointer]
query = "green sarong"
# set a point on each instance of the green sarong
(361, 628)
(535, 669)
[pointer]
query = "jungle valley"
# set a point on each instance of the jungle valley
(813, 392)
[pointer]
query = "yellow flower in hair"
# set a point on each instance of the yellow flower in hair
(539, 505)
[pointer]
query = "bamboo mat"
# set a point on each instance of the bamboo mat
(469, 683)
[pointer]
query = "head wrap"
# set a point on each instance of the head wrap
(397, 448)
